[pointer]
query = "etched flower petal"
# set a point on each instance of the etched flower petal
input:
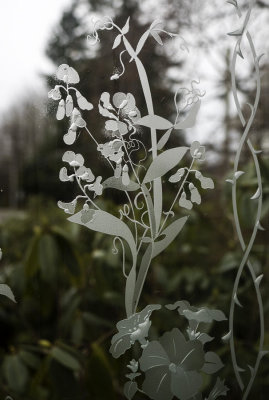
(63, 176)
(61, 110)
(83, 103)
(185, 385)
(69, 106)
(69, 208)
(153, 356)
(62, 71)
(85, 174)
(70, 137)
(55, 93)
(157, 383)
(122, 127)
(119, 344)
(111, 125)
(73, 76)
(75, 160)
(118, 98)
(184, 202)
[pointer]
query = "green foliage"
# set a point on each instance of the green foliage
(56, 338)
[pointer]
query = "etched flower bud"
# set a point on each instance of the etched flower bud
(184, 202)
(125, 175)
(118, 169)
(195, 195)
(83, 103)
(69, 106)
(86, 207)
(114, 77)
(61, 110)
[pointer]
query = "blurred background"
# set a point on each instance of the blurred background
(54, 342)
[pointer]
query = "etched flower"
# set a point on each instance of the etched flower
(73, 159)
(96, 187)
(134, 328)
(67, 74)
(55, 93)
(197, 151)
(127, 105)
(171, 367)
(69, 208)
(118, 128)
(76, 122)
(112, 150)
(133, 366)
(127, 114)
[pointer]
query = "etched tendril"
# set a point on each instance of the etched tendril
(246, 248)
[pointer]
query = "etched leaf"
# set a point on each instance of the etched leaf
(117, 42)
(170, 233)
(130, 389)
(109, 224)
(212, 363)
(7, 292)
(157, 37)
(116, 183)
(218, 390)
(129, 48)
(164, 139)
(190, 120)
(164, 163)
(125, 29)
(154, 121)
(142, 41)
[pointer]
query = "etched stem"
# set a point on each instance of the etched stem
(246, 249)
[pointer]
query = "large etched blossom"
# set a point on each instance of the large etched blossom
(171, 367)
(134, 328)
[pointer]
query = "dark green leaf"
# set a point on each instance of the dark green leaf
(65, 358)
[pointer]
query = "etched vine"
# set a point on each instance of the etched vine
(239, 34)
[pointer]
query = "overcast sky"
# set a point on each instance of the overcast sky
(25, 27)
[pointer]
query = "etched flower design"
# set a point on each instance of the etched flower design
(171, 367)
(127, 114)
(133, 366)
(55, 93)
(112, 150)
(197, 151)
(134, 328)
(76, 122)
(67, 74)
(96, 187)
